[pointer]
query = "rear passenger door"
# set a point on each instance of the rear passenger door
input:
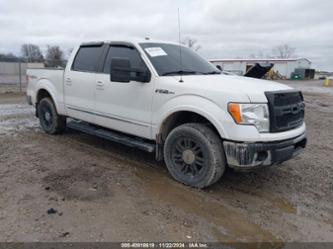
(80, 82)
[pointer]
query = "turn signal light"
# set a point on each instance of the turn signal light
(234, 110)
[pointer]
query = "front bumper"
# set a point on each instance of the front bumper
(247, 156)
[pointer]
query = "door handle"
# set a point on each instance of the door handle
(100, 83)
(68, 81)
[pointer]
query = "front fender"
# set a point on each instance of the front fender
(192, 103)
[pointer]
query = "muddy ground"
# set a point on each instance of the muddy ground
(102, 191)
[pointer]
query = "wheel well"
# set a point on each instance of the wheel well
(42, 93)
(180, 118)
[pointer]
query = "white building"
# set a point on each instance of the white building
(285, 67)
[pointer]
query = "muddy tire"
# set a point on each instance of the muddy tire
(194, 156)
(50, 121)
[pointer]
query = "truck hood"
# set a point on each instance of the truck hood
(254, 89)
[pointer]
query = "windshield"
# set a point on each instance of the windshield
(166, 60)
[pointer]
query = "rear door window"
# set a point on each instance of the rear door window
(87, 59)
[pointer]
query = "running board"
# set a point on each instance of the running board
(113, 136)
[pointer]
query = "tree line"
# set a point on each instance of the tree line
(54, 56)
(283, 51)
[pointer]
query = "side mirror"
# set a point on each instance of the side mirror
(142, 75)
(121, 71)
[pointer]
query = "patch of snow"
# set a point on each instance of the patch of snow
(11, 126)
(13, 118)
(15, 109)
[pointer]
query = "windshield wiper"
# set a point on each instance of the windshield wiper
(213, 72)
(180, 72)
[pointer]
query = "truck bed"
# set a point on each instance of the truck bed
(52, 74)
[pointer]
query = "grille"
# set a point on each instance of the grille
(286, 110)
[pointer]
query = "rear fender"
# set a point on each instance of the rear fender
(48, 86)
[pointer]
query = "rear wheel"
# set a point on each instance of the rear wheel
(50, 121)
(194, 155)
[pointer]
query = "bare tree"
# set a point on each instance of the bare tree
(191, 43)
(284, 51)
(54, 57)
(32, 53)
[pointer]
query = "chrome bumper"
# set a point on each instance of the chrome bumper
(247, 156)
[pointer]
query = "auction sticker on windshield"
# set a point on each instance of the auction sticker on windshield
(155, 51)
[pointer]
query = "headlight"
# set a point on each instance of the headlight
(250, 114)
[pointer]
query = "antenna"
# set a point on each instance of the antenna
(180, 50)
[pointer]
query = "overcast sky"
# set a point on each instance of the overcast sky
(224, 28)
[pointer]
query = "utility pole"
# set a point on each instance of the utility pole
(20, 74)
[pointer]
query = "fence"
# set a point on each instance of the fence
(14, 73)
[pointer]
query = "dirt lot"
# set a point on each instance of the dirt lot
(102, 191)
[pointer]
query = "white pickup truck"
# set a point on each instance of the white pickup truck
(146, 95)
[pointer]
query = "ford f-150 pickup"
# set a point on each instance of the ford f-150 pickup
(164, 98)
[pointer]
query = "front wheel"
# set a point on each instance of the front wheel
(50, 121)
(194, 155)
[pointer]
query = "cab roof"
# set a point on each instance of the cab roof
(132, 41)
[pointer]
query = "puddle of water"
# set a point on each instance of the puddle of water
(266, 199)
(284, 206)
(235, 226)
